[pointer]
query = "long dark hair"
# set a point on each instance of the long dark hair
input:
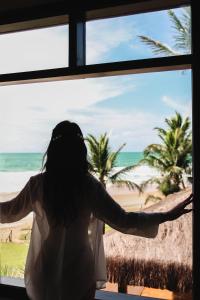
(65, 170)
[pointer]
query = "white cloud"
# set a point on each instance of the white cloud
(184, 108)
(29, 112)
(105, 35)
(34, 49)
(133, 127)
(48, 47)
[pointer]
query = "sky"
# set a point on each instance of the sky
(126, 107)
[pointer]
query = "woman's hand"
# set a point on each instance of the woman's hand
(178, 210)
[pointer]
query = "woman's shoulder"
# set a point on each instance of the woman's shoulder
(92, 180)
(36, 179)
(93, 185)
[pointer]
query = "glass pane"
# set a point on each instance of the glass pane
(127, 109)
(34, 49)
(139, 36)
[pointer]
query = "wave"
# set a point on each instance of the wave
(15, 181)
(139, 174)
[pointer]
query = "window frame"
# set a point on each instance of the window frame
(52, 15)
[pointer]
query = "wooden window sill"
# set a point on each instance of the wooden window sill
(14, 289)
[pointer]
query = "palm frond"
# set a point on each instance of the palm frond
(153, 148)
(123, 171)
(152, 180)
(177, 24)
(182, 26)
(90, 167)
(161, 130)
(152, 198)
(102, 161)
(113, 155)
(175, 169)
(158, 47)
(127, 183)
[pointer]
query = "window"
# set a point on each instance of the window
(34, 49)
(126, 108)
(168, 63)
(127, 37)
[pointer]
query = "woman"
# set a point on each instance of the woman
(65, 259)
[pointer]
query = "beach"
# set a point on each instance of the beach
(15, 237)
(17, 168)
(130, 200)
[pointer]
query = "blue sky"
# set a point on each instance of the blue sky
(127, 107)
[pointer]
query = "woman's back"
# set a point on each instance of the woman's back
(66, 260)
(60, 261)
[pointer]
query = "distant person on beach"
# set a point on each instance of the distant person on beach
(66, 260)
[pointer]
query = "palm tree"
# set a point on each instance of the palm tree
(173, 156)
(102, 161)
(182, 37)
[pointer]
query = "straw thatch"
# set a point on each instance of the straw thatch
(162, 262)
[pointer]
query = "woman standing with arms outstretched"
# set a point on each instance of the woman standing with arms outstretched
(66, 261)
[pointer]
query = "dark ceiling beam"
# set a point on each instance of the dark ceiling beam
(101, 70)
(33, 24)
(30, 17)
(132, 7)
(35, 17)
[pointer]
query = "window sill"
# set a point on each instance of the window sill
(14, 289)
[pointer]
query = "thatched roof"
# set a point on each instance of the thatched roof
(162, 262)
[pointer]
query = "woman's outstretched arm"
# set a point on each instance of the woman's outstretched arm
(178, 210)
(17, 208)
(136, 223)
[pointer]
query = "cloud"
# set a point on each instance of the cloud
(34, 49)
(133, 127)
(48, 47)
(105, 35)
(29, 112)
(184, 108)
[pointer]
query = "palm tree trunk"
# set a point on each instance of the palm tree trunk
(183, 184)
(104, 184)
(101, 179)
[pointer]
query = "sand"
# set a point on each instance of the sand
(130, 200)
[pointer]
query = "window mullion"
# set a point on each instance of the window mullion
(196, 156)
(77, 39)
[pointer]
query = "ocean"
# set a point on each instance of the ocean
(16, 168)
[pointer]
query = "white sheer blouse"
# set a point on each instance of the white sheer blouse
(64, 263)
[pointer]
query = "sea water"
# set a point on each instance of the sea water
(17, 168)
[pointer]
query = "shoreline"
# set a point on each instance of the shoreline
(130, 200)
(15, 181)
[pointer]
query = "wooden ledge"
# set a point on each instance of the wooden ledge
(14, 289)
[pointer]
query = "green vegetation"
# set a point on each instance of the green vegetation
(182, 36)
(103, 160)
(25, 235)
(107, 228)
(173, 156)
(13, 258)
(8, 271)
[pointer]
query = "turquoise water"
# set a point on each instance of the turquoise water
(20, 162)
(126, 159)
